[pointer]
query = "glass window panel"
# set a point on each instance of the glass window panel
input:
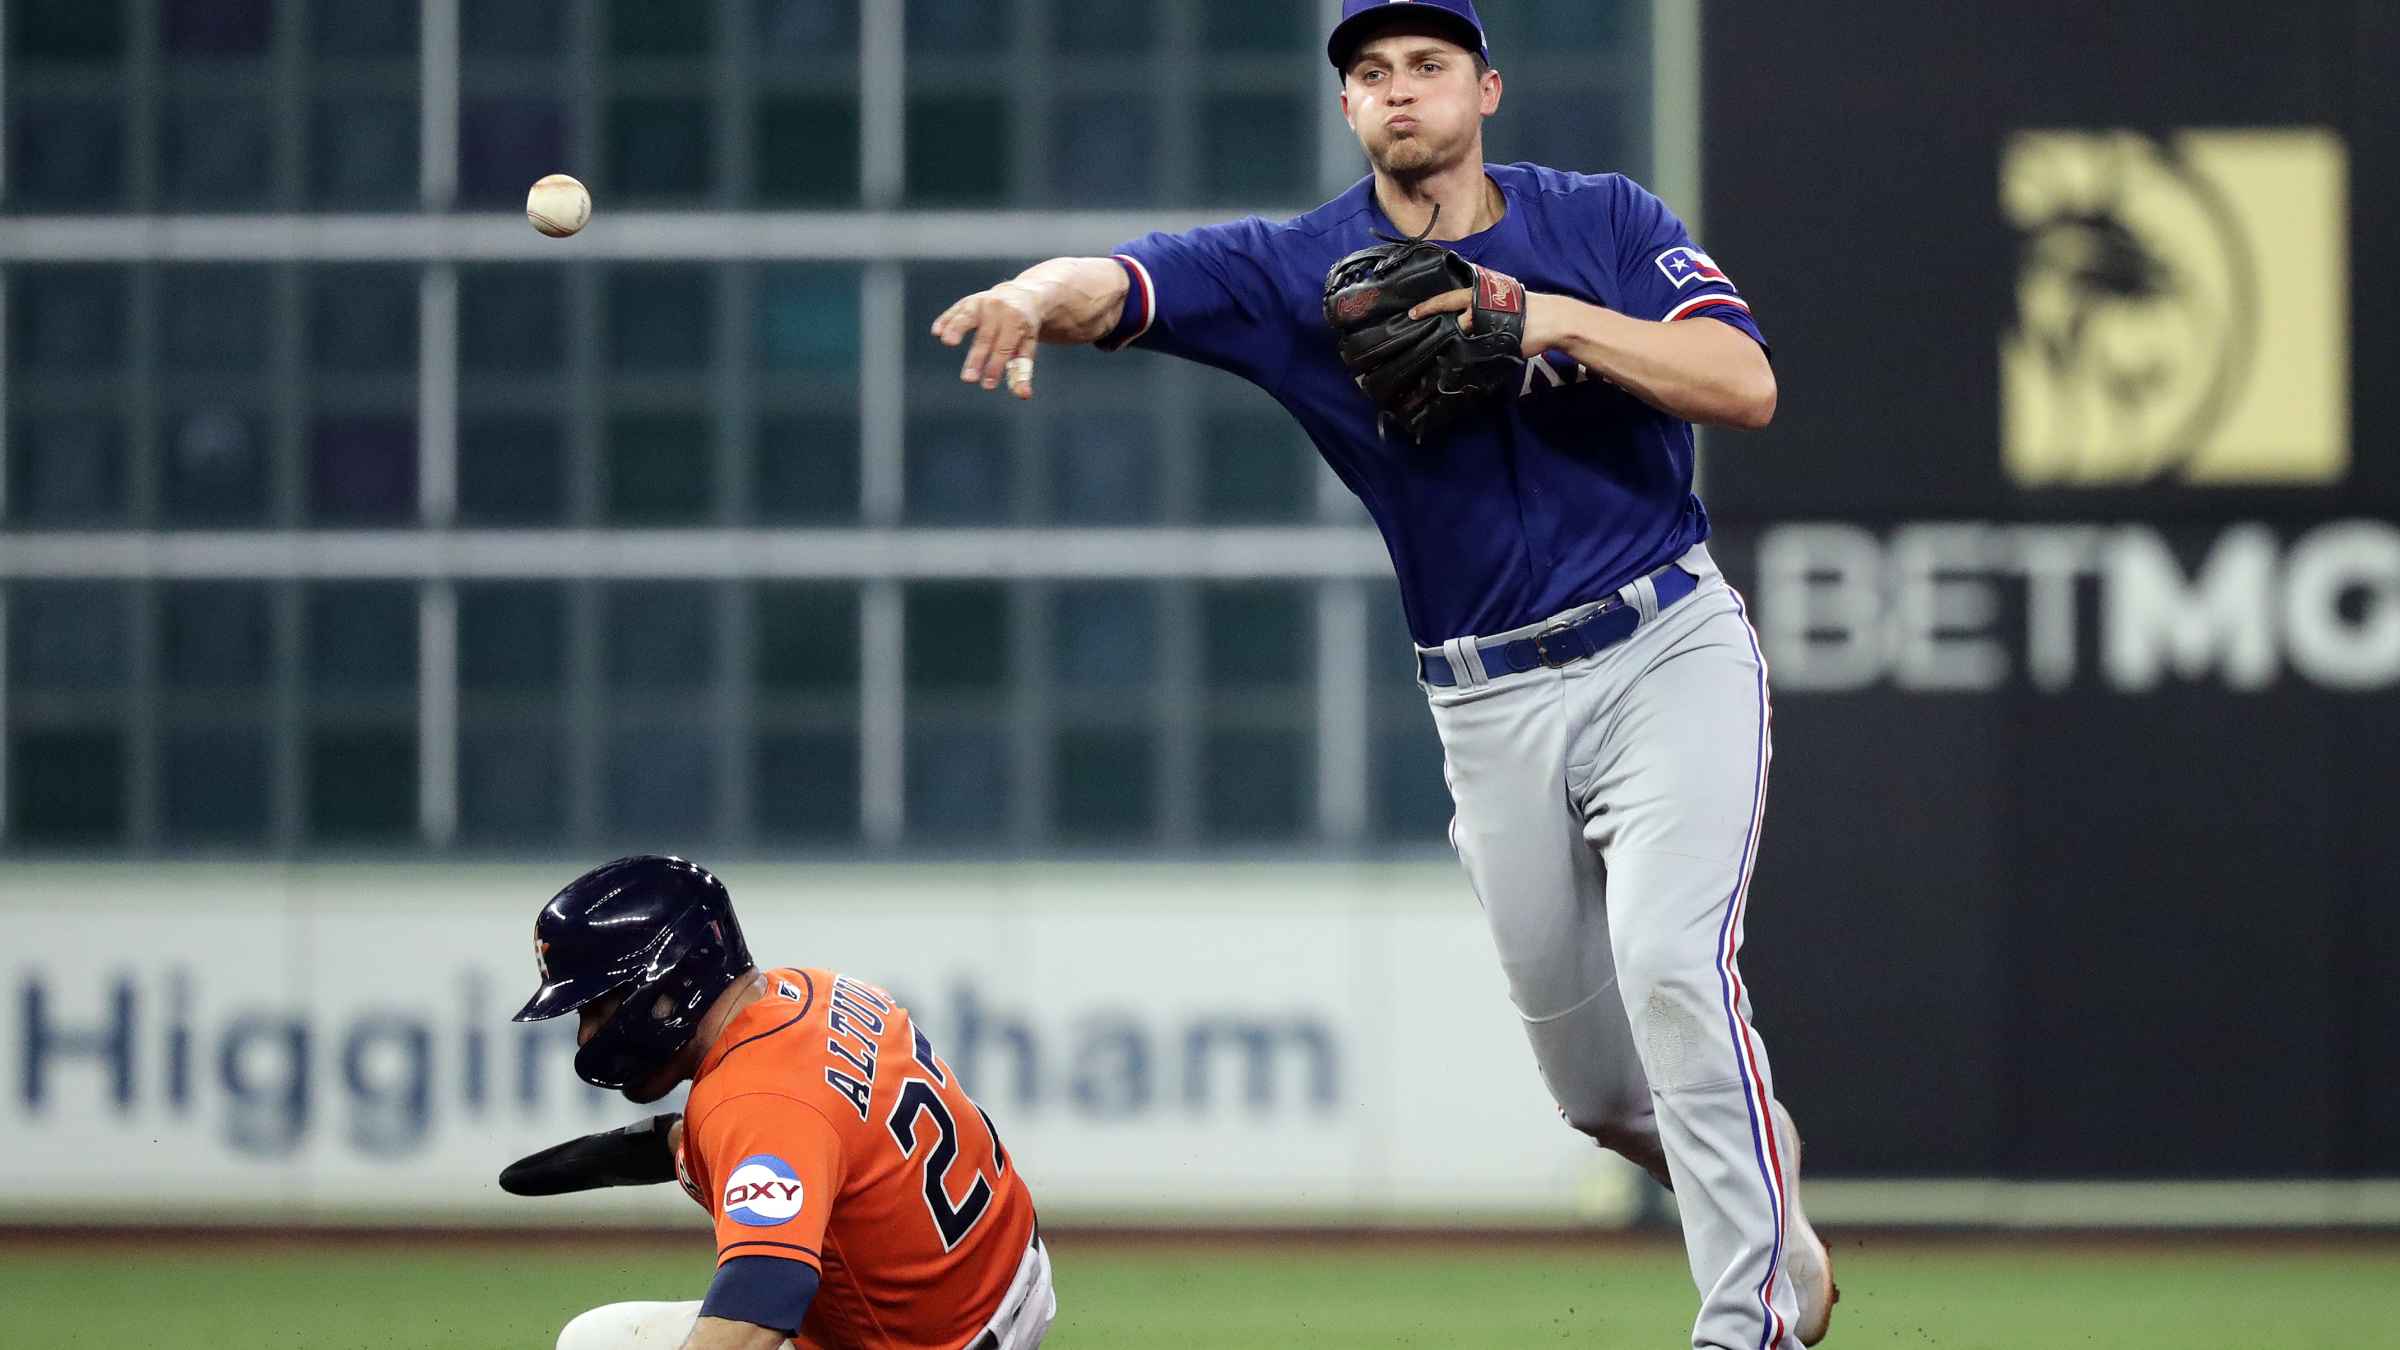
(217, 152)
(1104, 470)
(958, 783)
(1104, 635)
(958, 146)
(511, 28)
(362, 783)
(1258, 148)
(511, 469)
(661, 786)
(65, 30)
(957, 639)
(216, 636)
(806, 469)
(1106, 152)
(1104, 786)
(217, 462)
(66, 786)
(1103, 26)
(511, 784)
(67, 468)
(957, 26)
(1261, 26)
(504, 143)
(661, 318)
(1258, 467)
(218, 27)
(805, 149)
(69, 320)
(958, 470)
(362, 152)
(808, 28)
(659, 147)
(1255, 634)
(69, 636)
(662, 468)
(65, 153)
(807, 638)
(362, 637)
(1411, 805)
(214, 784)
(1389, 670)
(386, 28)
(808, 319)
(1555, 25)
(362, 319)
(511, 319)
(660, 637)
(214, 317)
(512, 637)
(661, 28)
(807, 785)
(363, 469)
(1257, 785)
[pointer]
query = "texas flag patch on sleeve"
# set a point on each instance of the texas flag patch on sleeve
(1685, 265)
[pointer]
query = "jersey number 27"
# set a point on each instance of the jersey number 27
(952, 1219)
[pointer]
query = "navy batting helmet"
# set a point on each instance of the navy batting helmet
(659, 930)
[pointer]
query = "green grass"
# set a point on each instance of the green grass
(2137, 1295)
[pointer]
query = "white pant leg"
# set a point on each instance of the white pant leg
(1027, 1310)
(1671, 784)
(631, 1326)
(1520, 836)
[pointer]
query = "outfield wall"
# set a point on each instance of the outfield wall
(1237, 1044)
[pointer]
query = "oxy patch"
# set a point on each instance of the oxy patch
(763, 1191)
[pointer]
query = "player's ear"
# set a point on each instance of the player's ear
(1491, 91)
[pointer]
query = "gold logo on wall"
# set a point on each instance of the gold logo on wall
(2182, 308)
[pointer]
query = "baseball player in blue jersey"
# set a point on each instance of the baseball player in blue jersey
(1527, 455)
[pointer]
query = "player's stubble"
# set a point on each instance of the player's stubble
(1414, 154)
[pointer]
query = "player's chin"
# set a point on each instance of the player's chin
(1404, 155)
(642, 1094)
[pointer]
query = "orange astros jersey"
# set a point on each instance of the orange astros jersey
(823, 1128)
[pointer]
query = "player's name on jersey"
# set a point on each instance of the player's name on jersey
(855, 1017)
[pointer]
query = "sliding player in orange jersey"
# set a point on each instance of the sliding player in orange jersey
(862, 1200)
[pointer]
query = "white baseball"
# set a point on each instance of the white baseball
(558, 206)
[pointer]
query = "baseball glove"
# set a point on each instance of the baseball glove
(1424, 372)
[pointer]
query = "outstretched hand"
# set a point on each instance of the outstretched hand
(1006, 323)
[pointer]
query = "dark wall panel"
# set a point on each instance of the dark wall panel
(2097, 926)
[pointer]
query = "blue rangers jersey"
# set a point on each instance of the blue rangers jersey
(1540, 503)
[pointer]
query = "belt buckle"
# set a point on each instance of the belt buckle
(1541, 645)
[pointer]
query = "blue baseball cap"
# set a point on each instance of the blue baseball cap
(1454, 19)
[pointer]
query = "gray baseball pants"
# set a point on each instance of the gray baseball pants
(1608, 816)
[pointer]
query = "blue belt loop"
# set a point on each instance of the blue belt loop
(1559, 644)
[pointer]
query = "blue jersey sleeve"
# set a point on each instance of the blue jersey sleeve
(1662, 275)
(764, 1291)
(1210, 296)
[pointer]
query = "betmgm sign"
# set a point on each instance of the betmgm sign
(2182, 309)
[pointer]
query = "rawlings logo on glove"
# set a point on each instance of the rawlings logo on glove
(1425, 372)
